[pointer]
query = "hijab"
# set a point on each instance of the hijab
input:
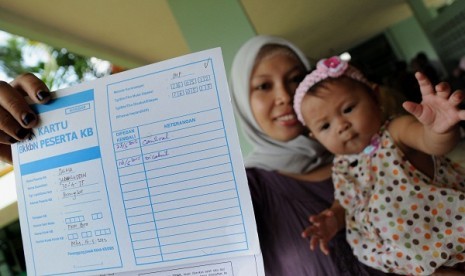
(299, 155)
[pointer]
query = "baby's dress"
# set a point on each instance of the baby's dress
(398, 219)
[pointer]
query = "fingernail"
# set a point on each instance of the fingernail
(12, 140)
(28, 118)
(22, 133)
(42, 95)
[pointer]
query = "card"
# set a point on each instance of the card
(138, 171)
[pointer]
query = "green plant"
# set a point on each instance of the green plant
(57, 67)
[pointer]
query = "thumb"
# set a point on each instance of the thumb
(328, 213)
(413, 108)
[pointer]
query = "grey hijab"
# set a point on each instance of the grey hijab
(299, 155)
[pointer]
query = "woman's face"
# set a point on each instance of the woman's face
(272, 86)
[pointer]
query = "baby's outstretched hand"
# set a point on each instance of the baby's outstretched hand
(438, 109)
(324, 227)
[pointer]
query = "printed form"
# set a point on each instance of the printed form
(138, 173)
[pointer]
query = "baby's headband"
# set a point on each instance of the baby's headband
(332, 67)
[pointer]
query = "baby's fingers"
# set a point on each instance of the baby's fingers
(462, 115)
(314, 242)
(324, 247)
(309, 231)
(457, 97)
(443, 90)
(315, 219)
(426, 87)
(413, 108)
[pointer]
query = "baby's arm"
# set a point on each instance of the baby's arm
(324, 226)
(435, 130)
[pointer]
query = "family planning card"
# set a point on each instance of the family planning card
(138, 173)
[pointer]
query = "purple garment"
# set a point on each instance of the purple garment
(282, 206)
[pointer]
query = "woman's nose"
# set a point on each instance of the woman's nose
(283, 96)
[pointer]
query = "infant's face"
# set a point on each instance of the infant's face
(342, 116)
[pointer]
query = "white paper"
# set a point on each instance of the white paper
(141, 170)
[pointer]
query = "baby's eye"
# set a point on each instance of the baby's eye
(324, 127)
(348, 109)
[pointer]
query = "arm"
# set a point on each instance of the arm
(16, 117)
(434, 128)
(325, 226)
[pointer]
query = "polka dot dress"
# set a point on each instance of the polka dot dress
(398, 219)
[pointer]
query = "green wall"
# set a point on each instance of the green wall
(407, 38)
(207, 24)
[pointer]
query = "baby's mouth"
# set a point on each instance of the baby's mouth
(351, 137)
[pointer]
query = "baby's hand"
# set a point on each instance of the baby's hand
(324, 227)
(439, 108)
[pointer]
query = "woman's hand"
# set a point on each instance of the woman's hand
(16, 117)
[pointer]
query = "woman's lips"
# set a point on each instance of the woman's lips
(287, 119)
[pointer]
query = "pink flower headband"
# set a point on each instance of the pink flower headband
(332, 67)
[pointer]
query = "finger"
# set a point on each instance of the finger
(314, 242)
(329, 213)
(14, 104)
(12, 130)
(324, 247)
(6, 139)
(305, 233)
(426, 87)
(5, 153)
(462, 115)
(309, 231)
(443, 90)
(457, 97)
(33, 87)
(413, 108)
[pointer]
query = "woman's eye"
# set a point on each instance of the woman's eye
(263, 86)
(297, 79)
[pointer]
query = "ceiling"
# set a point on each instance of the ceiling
(135, 32)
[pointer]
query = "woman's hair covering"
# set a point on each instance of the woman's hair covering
(299, 155)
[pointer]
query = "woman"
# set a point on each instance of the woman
(287, 182)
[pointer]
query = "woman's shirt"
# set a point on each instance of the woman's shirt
(282, 206)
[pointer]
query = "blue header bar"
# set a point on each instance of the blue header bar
(62, 102)
(60, 160)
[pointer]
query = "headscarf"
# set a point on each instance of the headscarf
(299, 155)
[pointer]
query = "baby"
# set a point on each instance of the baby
(402, 202)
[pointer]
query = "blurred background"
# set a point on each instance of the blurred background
(65, 42)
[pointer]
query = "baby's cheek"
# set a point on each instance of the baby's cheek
(325, 141)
